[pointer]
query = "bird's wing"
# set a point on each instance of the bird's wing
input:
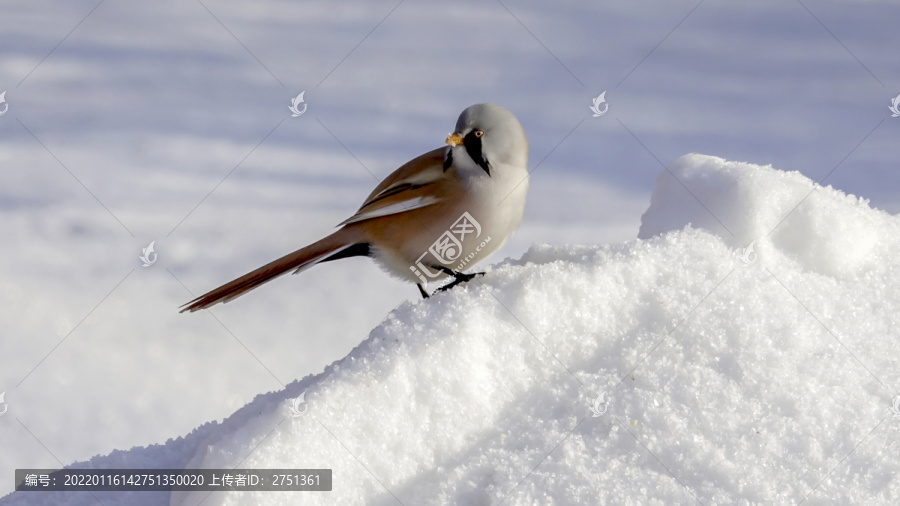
(419, 183)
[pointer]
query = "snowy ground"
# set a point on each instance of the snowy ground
(672, 369)
(167, 121)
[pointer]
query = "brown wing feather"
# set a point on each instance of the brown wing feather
(429, 161)
(411, 181)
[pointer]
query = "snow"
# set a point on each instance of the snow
(781, 212)
(727, 376)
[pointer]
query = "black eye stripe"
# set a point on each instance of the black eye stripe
(448, 160)
(473, 147)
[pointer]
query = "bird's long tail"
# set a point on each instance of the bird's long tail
(341, 244)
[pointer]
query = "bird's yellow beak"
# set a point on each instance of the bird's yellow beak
(454, 140)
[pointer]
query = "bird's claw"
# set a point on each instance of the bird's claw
(459, 278)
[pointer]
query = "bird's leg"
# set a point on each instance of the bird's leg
(422, 291)
(458, 278)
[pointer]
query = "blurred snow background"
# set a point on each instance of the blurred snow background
(131, 122)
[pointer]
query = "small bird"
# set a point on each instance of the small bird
(431, 218)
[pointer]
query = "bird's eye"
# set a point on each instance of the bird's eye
(479, 133)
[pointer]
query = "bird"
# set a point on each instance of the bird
(431, 219)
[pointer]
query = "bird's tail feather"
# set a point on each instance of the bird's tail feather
(299, 260)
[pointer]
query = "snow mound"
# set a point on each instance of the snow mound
(681, 366)
(824, 229)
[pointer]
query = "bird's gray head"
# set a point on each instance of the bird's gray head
(487, 136)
